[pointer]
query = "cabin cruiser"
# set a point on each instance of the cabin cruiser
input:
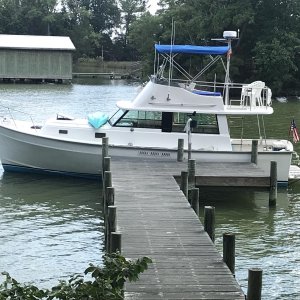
(166, 110)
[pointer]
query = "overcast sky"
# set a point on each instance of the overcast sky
(153, 6)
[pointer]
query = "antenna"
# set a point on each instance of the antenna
(228, 36)
(171, 49)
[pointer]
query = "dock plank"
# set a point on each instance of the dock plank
(156, 220)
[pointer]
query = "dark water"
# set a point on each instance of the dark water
(49, 227)
(53, 227)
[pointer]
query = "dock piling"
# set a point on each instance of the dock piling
(184, 183)
(180, 150)
(110, 198)
(254, 284)
(254, 151)
(111, 225)
(273, 184)
(209, 221)
(104, 150)
(229, 251)
(106, 163)
(195, 200)
(191, 172)
(116, 242)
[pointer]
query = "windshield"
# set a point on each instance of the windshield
(116, 116)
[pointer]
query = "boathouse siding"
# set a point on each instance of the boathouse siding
(25, 57)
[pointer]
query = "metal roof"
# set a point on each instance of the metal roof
(33, 42)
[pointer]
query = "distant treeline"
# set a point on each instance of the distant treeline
(268, 48)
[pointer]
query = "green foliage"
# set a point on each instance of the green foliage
(103, 283)
(268, 48)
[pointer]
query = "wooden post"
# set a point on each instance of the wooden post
(104, 150)
(229, 251)
(191, 172)
(184, 183)
(209, 221)
(273, 184)
(254, 151)
(107, 181)
(180, 150)
(110, 197)
(254, 284)
(106, 164)
(189, 150)
(111, 225)
(195, 200)
(110, 193)
(116, 242)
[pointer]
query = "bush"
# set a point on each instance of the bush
(105, 282)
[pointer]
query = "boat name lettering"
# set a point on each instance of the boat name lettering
(153, 153)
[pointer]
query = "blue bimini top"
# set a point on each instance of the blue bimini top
(191, 49)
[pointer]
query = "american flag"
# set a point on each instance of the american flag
(294, 131)
(229, 53)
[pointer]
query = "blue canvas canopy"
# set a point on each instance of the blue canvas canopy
(191, 49)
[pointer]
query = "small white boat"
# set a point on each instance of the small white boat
(281, 99)
(164, 111)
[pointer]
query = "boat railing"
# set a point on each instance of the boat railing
(10, 112)
(244, 96)
(252, 96)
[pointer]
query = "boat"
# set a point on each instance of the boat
(166, 109)
(281, 99)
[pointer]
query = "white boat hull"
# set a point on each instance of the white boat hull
(32, 153)
(23, 152)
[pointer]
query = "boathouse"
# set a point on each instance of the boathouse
(35, 58)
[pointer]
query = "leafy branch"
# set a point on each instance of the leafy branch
(106, 282)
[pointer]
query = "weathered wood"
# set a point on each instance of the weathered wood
(273, 184)
(110, 196)
(254, 284)
(184, 183)
(115, 242)
(209, 221)
(191, 172)
(156, 221)
(106, 163)
(105, 142)
(180, 150)
(254, 151)
(107, 179)
(195, 200)
(111, 225)
(107, 182)
(229, 251)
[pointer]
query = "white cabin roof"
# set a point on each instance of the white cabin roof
(30, 42)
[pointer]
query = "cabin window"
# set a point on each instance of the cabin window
(206, 123)
(166, 121)
(140, 119)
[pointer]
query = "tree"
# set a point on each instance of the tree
(27, 16)
(130, 10)
(105, 282)
(145, 32)
(105, 15)
(276, 41)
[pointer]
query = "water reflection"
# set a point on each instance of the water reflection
(50, 227)
(268, 238)
(77, 99)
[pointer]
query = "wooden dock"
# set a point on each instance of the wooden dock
(156, 220)
(111, 75)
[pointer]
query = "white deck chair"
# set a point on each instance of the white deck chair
(253, 92)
